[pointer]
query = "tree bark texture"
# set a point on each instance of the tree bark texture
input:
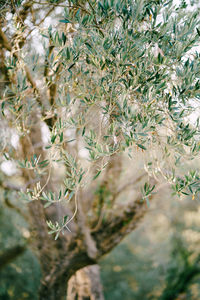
(86, 284)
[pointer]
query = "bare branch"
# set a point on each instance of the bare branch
(11, 254)
(4, 41)
(85, 232)
(23, 13)
(42, 20)
(116, 227)
(129, 184)
(6, 44)
(52, 86)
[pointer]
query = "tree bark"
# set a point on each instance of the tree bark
(54, 284)
(11, 254)
(86, 284)
(58, 292)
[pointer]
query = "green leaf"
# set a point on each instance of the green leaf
(57, 235)
(47, 204)
(61, 137)
(88, 45)
(53, 138)
(147, 201)
(2, 108)
(80, 177)
(83, 131)
(68, 98)
(6, 156)
(64, 38)
(65, 21)
(67, 53)
(141, 146)
(43, 163)
(65, 219)
(71, 195)
(98, 173)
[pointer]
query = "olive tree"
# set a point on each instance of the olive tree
(102, 100)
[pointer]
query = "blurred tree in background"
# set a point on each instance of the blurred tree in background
(99, 115)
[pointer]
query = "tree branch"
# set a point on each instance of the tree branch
(4, 41)
(10, 255)
(42, 20)
(6, 44)
(117, 226)
(128, 184)
(52, 86)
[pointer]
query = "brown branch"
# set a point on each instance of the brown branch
(42, 20)
(21, 16)
(6, 44)
(52, 87)
(84, 231)
(100, 219)
(121, 222)
(23, 13)
(129, 184)
(50, 3)
(3, 69)
(117, 226)
(10, 255)
(34, 86)
(109, 184)
(4, 41)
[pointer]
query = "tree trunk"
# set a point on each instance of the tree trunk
(57, 292)
(85, 284)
